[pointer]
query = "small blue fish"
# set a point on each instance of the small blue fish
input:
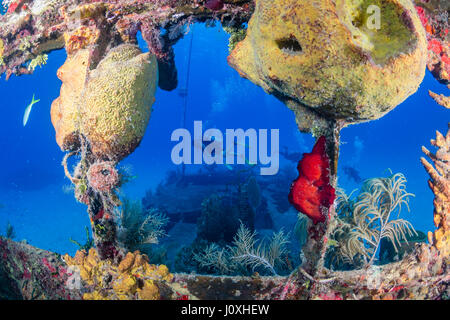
(28, 110)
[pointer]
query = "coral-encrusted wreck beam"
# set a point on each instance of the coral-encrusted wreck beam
(39, 26)
(313, 194)
(30, 273)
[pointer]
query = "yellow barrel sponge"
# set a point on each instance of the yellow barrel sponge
(109, 105)
(118, 100)
(353, 60)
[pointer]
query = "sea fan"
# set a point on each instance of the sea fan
(138, 228)
(344, 203)
(246, 253)
(216, 259)
(359, 234)
(251, 254)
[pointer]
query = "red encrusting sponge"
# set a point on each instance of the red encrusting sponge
(311, 193)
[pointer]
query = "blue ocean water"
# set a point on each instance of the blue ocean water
(32, 180)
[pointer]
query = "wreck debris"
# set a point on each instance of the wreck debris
(32, 273)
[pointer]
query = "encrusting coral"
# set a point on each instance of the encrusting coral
(434, 17)
(323, 55)
(133, 278)
(440, 185)
(83, 36)
(440, 99)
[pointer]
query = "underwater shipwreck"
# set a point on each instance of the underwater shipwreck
(320, 59)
